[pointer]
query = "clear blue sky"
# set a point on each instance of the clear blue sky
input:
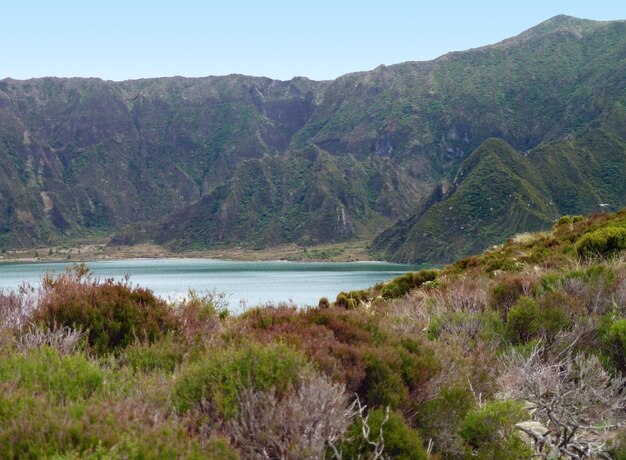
(321, 39)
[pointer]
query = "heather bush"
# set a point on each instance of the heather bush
(308, 418)
(16, 307)
(489, 431)
(383, 434)
(466, 294)
(526, 320)
(64, 339)
(164, 355)
(496, 262)
(509, 288)
(399, 286)
(267, 317)
(215, 382)
(395, 372)
(113, 314)
(35, 427)
(43, 369)
(594, 288)
(440, 418)
(199, 315)
(603, 242)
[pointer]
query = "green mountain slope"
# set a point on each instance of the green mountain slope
(499, 192)
(109, 154)
(193, 163)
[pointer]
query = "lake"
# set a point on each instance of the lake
(244, 283)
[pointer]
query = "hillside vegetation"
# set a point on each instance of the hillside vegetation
(419, 150)
(513, 353)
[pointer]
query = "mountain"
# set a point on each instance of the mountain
(444, 157)
(499, 191)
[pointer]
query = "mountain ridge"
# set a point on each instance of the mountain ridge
(82, 157)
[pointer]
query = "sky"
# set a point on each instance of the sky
(321, 40)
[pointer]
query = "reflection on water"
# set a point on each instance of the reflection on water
(249, 283)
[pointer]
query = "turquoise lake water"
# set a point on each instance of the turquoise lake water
(244, 283)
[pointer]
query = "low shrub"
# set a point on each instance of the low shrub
(526, 320)
(440, 419)
(603, 242)
(494, 262)
(113, 314)
(213, 384)
(489, 431)
(267, 317)
(395, 372)
(351, 300)
(388, 432)
(312, 415)
(509, 288)
(199, 315)
(399, 286)
(613, 334)
(16, 307)
(33, 427)
(44, 370)
(164, 355)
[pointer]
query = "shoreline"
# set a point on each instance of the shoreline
(100, 251)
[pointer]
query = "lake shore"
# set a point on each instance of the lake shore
(99, 250)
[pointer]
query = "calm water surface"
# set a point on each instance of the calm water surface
(245, 283)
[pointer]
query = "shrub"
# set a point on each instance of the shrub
(16, 307)
(499, 262)
(324, 303)
(163, 355)
(384, 429)
(214, 384)
(526, 320)
(490, 433)
(113, 314)
(64, 339)
(44, 370)
(523, 320)
(341, 300)
(564, 220)
(509, 289)
(613, 333)
(312, 415)
(399, 286)
(394, 372)
(603, 242)
(268, 317)
(32, 427)
(199, 315)
(440, 419)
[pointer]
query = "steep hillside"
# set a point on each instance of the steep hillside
(193, 163)
(498, 192)
(95, 155)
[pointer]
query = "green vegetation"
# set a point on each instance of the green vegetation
(451, 157)
(475, 360)
(603, 242)
(113, 313)
(512, 353)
